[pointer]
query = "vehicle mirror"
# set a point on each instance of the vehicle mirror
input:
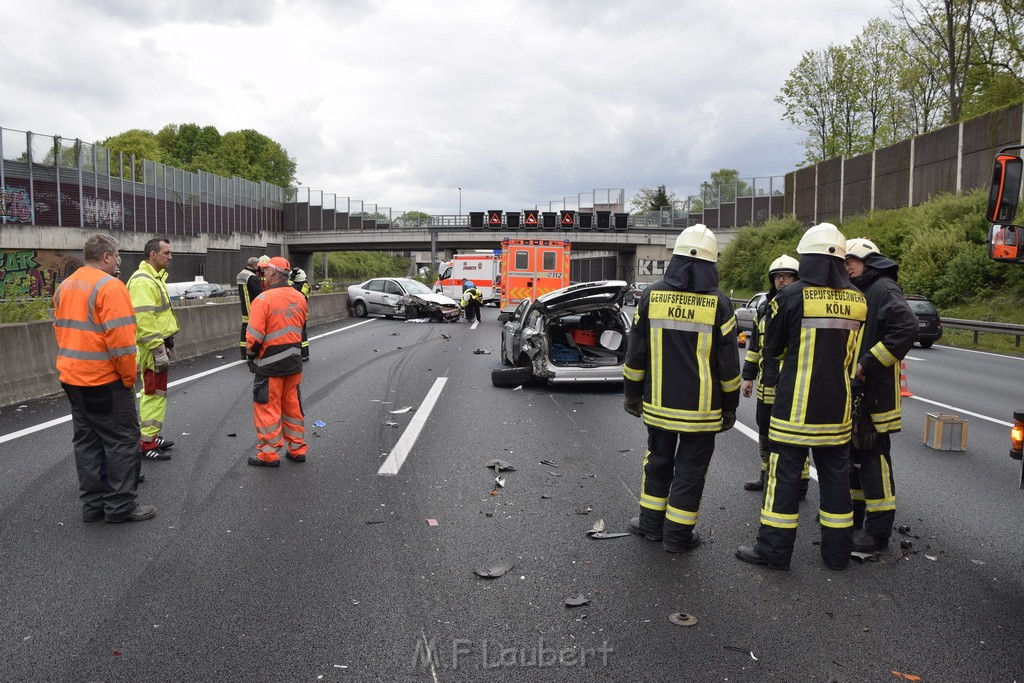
(1004, 243)
(1005, 189)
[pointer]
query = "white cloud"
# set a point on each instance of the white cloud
(399, 102)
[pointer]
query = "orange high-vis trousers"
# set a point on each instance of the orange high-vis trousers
(280, 420)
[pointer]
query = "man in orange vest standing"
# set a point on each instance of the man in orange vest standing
(95, 327)
(274, 349)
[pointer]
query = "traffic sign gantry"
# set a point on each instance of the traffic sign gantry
(530, 218)
(494, 218)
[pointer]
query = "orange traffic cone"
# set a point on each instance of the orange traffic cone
(904, 389)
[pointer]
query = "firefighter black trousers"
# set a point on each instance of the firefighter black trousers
(781, 509)
(673, 481)
(873, 489)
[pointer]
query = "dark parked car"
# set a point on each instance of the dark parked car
(929, 324)
(204, 290)
(745, 313)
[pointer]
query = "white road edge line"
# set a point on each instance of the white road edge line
(67, 418)
(962, 411)
(475, 323)
(752, 433)
(408, 439)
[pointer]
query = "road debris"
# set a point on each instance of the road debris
(625, 450)
(601, 535)
(933, 558)
(482, 352)
(233, 435)
(499, 482)
(501, 466)
(495, 571)
(576, 600)
(863, 557)
(431, 522)
(400, 411)
(394, 334)
(549, 463)
(518, 388)
(597, 528)
(682, 619)
(446, 337)
(584, 511)
(391, 424)
(319, 423)
(905, 677)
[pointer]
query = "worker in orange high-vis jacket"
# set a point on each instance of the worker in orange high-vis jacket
(274, 349)
(95, 328)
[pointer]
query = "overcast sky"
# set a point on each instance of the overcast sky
(400, 102)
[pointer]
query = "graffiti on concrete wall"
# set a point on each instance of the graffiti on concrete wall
(15, 205)
(34, 272)
(650, 267)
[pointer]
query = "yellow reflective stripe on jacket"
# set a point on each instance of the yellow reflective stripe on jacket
(883, 355)
(155, 319)
(633, 374)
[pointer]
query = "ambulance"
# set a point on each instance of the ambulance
(483, 268)
(532, 268)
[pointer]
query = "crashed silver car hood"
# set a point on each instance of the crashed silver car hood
(435, 298)
(604, 292)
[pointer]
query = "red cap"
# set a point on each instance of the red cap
(279, 263)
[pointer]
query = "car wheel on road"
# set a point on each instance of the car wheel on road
(511, 377)
(360, 309)
(926, 344)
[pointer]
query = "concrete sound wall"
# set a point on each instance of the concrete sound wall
(31, 349)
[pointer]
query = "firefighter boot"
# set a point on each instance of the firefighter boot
(763, 451)
(647, 525)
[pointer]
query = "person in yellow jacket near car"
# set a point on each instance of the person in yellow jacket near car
(156, 327)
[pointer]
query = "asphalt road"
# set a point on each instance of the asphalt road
(330, 571)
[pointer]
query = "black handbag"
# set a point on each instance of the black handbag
(865, 436)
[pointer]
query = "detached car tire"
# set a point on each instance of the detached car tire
(511, 377)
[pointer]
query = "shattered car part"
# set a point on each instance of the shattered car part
(682, 619)
(495, 571)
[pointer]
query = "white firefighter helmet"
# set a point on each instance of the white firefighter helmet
(697, 241)
(825, 239)
(784, 264)
(300, 275)
(860, 247)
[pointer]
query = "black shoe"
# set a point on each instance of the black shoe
(748, 553)
(755, 484)
(162, 443)
(866, 543)
(141, 479)
(92, 515)
(837, 567)
(671, 547)
(256, 462)
(154, 454)
(634, 527)
(296, 458)
(140, 514)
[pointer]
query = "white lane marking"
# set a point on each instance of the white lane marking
(915, 358)
(400, 452)
(475, 323)
(67, 418)
(752, 433)
(962, 411)
(983, 353)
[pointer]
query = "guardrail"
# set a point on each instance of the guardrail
(979, 326)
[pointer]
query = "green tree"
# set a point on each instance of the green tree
(142, 143)
(186, 144)
(649, 200)
(253, 156)
(725, 183)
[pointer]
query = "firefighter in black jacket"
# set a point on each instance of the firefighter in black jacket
(250, 286)
(682, 376)
(887, 336)
(782, 272)
(814, 329)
